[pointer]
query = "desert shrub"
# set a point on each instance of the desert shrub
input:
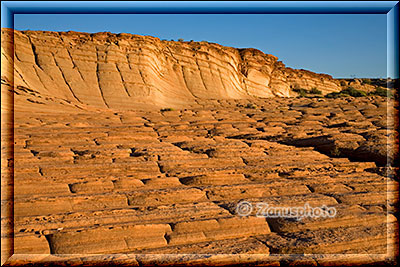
(349, 91)
(166, 109)
(334, 95)
(366, 81)
(353, 92)
(251, 105)
(315, 91)
(343, 83)
(335, 152)
(381, 92)
(180, 40)
(302, 92)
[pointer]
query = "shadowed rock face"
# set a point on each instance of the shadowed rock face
(124, 70)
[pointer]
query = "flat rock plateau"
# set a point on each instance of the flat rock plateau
(134, 150)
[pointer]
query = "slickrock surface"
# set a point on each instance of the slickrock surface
(149, 186)
(167, 182)
(123, 70)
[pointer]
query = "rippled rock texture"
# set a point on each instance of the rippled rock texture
(89, 181)
(123, 70)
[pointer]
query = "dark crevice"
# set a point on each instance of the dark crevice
(75, 66)
(50, 242)
(201, 75)
(186, 85)
(312, 190)
(122, 79)
(35, 55)
(65, 80)
(160, 167)
(98, 78)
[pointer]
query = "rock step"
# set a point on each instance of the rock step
(352, 186)
(88, 131)
(36, 188)
(244, 245)
(362, 198)
(214, 179)
(109, 239)
(64, 204)
(209, 163)
(216, 229)
(83, 169)
(314, 200)
(247, 154)
(345, 216)
(109, 217)
(337, 240)
(31, 244)
(249, 191)
(44, 187)
(74, 176)
(165, 197)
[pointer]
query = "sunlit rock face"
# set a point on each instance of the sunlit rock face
(136, 147)
(121, 71)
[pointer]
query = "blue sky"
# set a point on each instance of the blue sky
(340, 45)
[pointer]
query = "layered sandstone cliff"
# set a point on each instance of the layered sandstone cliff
(122, 71)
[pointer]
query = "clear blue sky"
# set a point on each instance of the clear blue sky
(339, 45)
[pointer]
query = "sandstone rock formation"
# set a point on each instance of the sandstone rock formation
(167, 182)
(123, 70)
(84, 180)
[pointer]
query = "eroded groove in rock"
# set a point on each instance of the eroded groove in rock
(207, 71)
(35, 54)
(98, 78)
(122, 80)
(65, 80)
(75, 66)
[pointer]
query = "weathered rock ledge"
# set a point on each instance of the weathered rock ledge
(122, 71)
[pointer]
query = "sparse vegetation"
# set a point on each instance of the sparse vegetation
(251, 105)
(166, 109)
(302, 92)
(335, 152)
(333, 95)
(381, 92)
(315, 91)
(366, 81)
(305, 93)
(349, 91)
(180, 40)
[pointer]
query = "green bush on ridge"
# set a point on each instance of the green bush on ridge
(315, 91)
(349, 91)
(381, 92)
(304, 92)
